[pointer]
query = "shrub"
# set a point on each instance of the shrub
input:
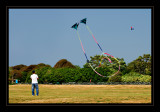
(116, 78)
(136, 77)
(145, 78)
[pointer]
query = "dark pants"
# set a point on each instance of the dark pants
(35, 85)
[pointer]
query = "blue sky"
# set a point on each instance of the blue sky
(45, 35)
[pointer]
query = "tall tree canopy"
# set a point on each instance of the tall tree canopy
(64, 63)
(141, 65)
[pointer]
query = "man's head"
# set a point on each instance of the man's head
(33, 71)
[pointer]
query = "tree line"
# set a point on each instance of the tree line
(139, 70)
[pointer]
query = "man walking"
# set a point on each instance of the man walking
(34, 78)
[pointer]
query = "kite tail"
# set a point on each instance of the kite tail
(82, 47)
(117, 61)
(94, 37)
(96, 71)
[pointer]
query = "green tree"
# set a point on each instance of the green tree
(141, 65)
(114, 66)
(64, 63)
(24, 76)
(30, 68)
(18, 67)
(116, 78)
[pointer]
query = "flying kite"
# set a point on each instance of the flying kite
(83, 20)
(75, 26)
(132, 28)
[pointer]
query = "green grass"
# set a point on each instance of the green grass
(81, 94)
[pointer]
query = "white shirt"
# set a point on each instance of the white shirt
(34, 78)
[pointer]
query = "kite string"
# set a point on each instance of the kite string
(96, 42)
(116, 60)
(82, 47)
(87, 58)
(102, 50)
(95, 70)
(80, 42)
(93, 37)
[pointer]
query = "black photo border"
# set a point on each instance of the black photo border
(5, 106)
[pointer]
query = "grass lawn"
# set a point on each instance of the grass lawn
(81, 94)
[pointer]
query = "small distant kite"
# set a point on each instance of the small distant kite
(132, 28)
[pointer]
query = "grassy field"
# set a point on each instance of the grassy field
(81, 94)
